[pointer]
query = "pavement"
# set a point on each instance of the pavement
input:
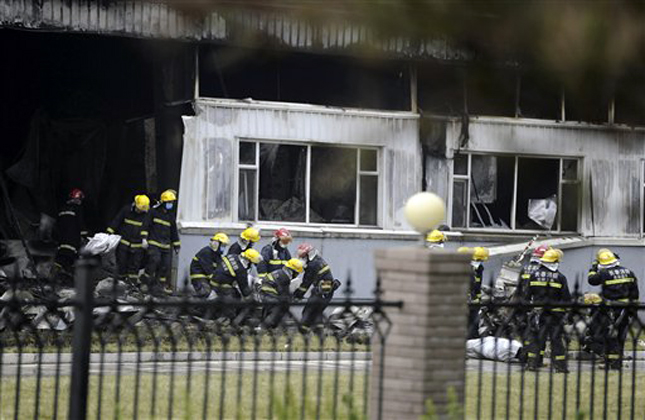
(184, 367)
(503, 368)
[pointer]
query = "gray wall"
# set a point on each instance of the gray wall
(355, 257)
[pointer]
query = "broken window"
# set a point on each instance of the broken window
(518, 193)
(308, 184)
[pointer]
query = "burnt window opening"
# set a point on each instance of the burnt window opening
(239, 73)
(491, 91)
(515, 193)
(630, 99)
(308, 184)
(539, 96)
(587, 99)
(440, 89)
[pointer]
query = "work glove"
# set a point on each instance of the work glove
(144, 244)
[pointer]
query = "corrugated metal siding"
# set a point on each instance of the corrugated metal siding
(226, 121)
(611, 161)
(157, 20)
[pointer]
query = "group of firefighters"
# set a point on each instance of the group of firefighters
(542, 287)
(148, 235)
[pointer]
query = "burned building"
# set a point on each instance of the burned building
(273, 118)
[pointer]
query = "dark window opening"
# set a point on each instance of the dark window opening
(539, 97)
(537, 192)
(282, 182)
(440, 89)
(491, 194)
(587, 99)
(333, 185)
(630, 99)
(491, 91)
(240, 73)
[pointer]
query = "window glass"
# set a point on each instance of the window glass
(368, 203)
(247, 153)
(491, 193)
(282, 182)
(246, 198)
(368, 160)
(461, 165)
(537, 193)
(333, 185)
(570, 169)
(459, 202)
(569, 218)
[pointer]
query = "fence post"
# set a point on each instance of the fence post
(424, 354)
(82, 338)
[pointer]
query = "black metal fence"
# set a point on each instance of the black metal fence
(106, 352)
(571, 361)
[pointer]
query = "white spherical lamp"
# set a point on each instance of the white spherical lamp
(424, 211)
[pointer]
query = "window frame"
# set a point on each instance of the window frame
(309, 145)
(517, 157)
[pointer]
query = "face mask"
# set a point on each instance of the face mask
(215, 246)
(475, 264)
(169, 206)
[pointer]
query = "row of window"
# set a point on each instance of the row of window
(317, 184)
(308, 184)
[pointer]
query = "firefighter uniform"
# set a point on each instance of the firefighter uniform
(275, 290)
(202, 268)
(520, 294)
(619, 286)
(236, 248)
(70, 228)
(317, 274)
(274, 257)
(547, 285)
(163, 237)
(230, 282)
(476, 276)
(132, 226)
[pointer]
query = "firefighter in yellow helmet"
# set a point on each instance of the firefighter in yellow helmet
(132, 224)
(231, 279)
(619, 285)
(162, 239)
(547, 285)
(275, 291)
(205, 262)
(479, 255)
(435, 239)
(248, 237)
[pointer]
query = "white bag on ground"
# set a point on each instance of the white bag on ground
(492, 348)
(102, 243)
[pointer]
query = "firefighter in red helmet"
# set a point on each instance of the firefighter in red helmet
(70, 228)
(276, 254)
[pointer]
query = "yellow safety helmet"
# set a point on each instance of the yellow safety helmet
(592, 299)
(600, 251)
(560, 254)
(295, 264)
(480, 253)
(252, 255)
(168, 195)
(250, 234)
(220, 237)
(436, 236)
(142, 202)
(550, 256)
(607, 257)
(465, 250)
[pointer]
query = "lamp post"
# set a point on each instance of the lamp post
(424, 211)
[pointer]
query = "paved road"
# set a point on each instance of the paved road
(574, 365)
(181, 368)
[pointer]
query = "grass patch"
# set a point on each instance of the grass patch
(580, 395)
(233, 396)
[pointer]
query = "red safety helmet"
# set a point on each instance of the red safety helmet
(540, 250)
(76, 194)
(304, 249)
(282, 233)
